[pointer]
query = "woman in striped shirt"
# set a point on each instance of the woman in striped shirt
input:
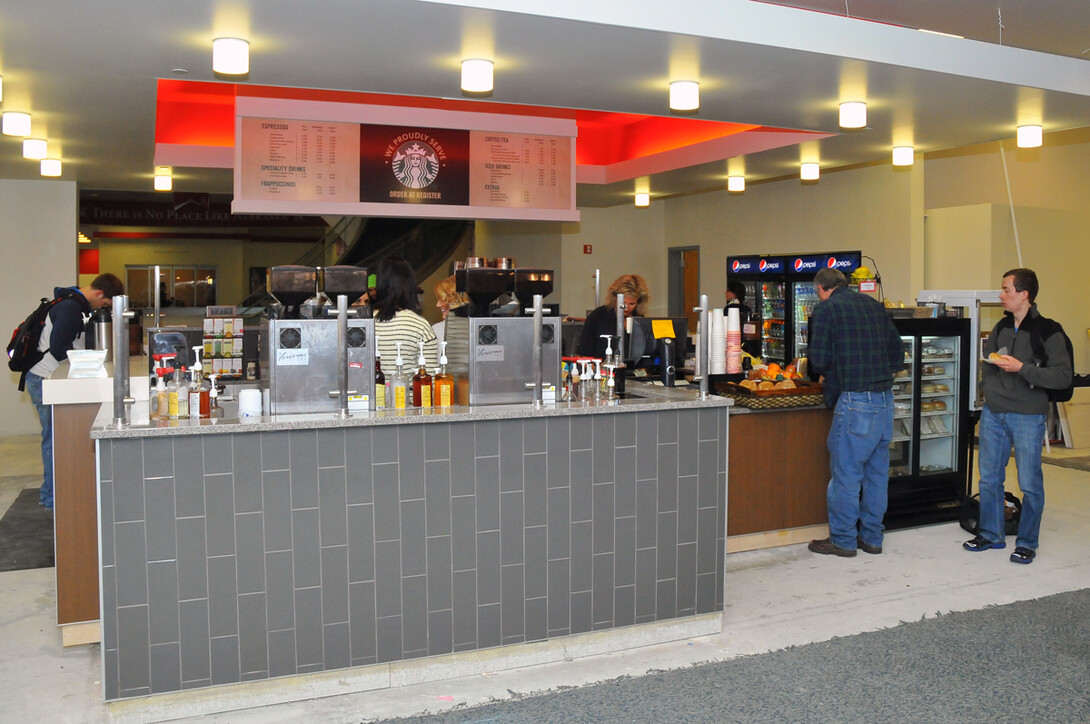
(397, 318)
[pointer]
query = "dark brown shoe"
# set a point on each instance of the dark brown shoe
(826, 547)
(867, 547)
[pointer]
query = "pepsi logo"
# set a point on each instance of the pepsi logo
(798, 264)
(763, 265)
(831, 263)
(734, 266)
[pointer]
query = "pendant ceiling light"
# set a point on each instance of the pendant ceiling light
(903, 155)
(14, 123)
(35, 148)
(1030, 137)
(230, 56)
(853, 114)
(643, 200)
(809, 172)
(684, 96)
(736, 184)
(477, 76)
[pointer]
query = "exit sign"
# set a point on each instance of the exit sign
(587, 249)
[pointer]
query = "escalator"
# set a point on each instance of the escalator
(425, 243)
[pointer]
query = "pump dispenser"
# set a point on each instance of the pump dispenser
(214, 410)
(421, 382)
(172, 395)
(444, 381)
(198, 392)
(399, 386)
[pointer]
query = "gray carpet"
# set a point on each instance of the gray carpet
(1079, 463)
(1022, 662)
(26, 534)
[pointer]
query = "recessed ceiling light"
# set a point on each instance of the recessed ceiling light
(853, 114)
(14, 123)
(35, 148)
(51, 167)
(1029, 137)
(685, 96)
(230, 56)
(477, 77)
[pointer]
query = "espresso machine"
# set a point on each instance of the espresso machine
(300, 353)
(492, 345)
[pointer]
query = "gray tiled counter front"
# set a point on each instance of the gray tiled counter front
(246, 555)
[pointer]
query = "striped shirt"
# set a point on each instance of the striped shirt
(410, 329)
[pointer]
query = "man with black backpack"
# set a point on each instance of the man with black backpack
(63, 330)
(1028, 362)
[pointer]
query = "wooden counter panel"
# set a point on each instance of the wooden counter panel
(807, 474)
(75, 512)
(778, 470)
(755, 474)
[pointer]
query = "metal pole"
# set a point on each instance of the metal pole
(121, 360)
(597, 288)
(620, 327)
(702, 362)
(342, 354)
(536, 399)
(158, 301)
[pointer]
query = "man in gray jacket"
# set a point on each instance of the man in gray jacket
(1016, 382)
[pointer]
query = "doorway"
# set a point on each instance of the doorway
(683, 283)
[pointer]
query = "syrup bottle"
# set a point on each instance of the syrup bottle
(399, 387)
(380, 380)
(421, 382)
(444, 382)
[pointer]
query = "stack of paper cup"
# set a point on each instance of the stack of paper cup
(734, 342)
(717, 349)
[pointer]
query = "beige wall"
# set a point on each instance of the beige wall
(38, 221)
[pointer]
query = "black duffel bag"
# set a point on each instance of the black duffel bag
(970, 513)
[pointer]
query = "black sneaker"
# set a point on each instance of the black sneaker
(826, 547)
(980, 543)
(1023, 555)
(867, 547)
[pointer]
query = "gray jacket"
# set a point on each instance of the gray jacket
(1024, 391)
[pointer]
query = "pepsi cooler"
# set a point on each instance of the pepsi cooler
(780, 291)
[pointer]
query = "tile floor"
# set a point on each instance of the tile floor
(775, 598)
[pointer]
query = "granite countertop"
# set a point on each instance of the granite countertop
(641, 396)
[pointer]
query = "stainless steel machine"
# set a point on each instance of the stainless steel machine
(496, 353)
(301, 356)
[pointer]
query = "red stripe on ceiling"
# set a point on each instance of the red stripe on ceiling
(199, 113)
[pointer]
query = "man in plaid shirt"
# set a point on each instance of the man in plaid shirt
(855, 346)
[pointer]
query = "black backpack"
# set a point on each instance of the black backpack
(1041, 329)
(23, 352)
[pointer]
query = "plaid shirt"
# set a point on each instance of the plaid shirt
(854, 344)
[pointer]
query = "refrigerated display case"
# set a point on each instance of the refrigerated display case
(928, 461)
(773, 321)
(805, 299)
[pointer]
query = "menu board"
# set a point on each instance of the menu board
(300, 160)
(440, 170)
(519, 170)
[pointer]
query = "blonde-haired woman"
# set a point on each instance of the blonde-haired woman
(603, 320)
(446, 297)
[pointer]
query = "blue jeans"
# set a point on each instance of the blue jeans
(1026, 433)
(859, 464)
(45, 417)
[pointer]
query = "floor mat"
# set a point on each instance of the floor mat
(26, 534)
(1079, 463)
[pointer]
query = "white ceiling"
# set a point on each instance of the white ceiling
(88, 71)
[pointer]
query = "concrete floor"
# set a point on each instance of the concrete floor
(775, 598)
